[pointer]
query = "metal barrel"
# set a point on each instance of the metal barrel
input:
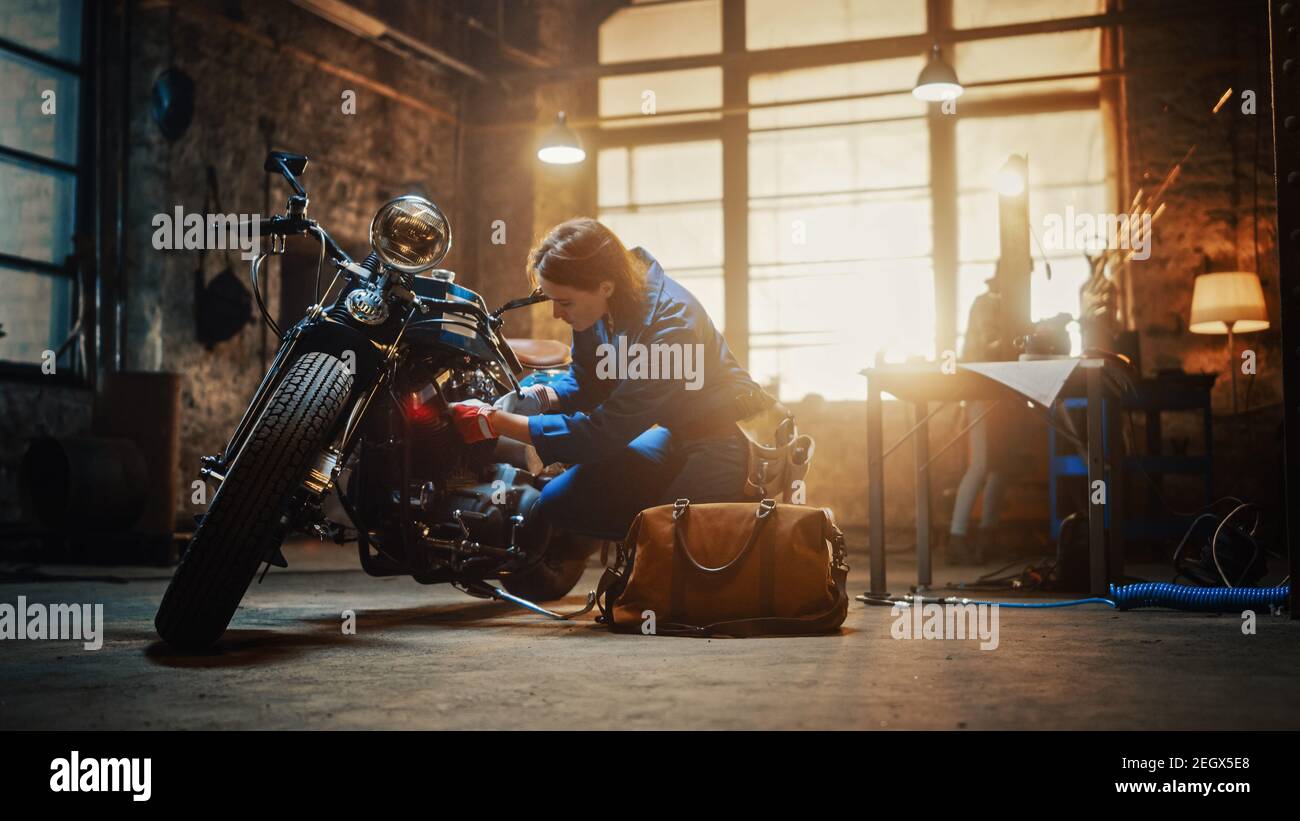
(84, 484)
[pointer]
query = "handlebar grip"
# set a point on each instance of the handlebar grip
(267, 225)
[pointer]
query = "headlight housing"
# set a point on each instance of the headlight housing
(410, 234)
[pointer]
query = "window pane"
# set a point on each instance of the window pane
(841, 212)
(706, 285)
(1037, 55)
(679, 237)
(1063, 147)
(778, 23)
(667, 198)
(660, 173)
(661, 92)
(613, 177)
(656, 32)
(834, 81)
(868, 226)
(979, 13)
(36, 212)
(51, 27)
(845, 158)
(813, 327)
(35, 314)
(696, 172)
(23, 123)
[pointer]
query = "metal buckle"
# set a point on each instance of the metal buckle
(679, 507)
(765, 507)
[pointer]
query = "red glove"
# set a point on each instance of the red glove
(473, 420)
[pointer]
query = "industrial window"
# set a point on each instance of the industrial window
(839, 226)
(40, 89)
(841, 231)
(665, 196)
(668, 198)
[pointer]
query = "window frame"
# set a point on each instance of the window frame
(79, 372)
(738, 64)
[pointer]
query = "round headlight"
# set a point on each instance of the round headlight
(410, 234)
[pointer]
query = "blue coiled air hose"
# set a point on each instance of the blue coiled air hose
(1159, 594)
(1200, 599)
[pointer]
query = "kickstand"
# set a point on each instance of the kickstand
(494, 592)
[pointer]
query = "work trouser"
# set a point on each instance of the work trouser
(600, 499)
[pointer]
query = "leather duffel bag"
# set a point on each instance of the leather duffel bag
(729, 569)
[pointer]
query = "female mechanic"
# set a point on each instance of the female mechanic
(647, 412)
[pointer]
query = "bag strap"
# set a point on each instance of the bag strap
(614, 579)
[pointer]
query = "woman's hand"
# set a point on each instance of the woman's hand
(477, 421)
(473, 420)
(529, 401)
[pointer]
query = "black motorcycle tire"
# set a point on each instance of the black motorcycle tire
(244, 522)
(557, 573)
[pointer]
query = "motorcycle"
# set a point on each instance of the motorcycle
(355, 404)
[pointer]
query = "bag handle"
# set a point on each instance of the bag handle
(682, 506)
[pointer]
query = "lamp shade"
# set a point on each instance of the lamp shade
(561, 145)
(1231, 300)
(937, 81)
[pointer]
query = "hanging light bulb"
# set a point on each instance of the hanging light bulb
(937, 81)
(561, 145)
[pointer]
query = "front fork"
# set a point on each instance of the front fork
(315, 332)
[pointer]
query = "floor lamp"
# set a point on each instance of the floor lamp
(1230, 302)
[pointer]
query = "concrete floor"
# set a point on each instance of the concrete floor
(432, 658)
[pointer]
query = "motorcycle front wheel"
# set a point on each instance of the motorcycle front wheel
(245, 521)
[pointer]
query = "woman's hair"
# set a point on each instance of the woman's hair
(581, 253)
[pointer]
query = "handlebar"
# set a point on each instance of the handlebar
(283, 226)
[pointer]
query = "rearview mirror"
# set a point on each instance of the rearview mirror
(290, 165)
(531, 299)
(295, 164)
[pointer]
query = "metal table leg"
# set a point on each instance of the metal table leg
(1096, 474)
(921, 451)
(1115, 534)
(876, 486)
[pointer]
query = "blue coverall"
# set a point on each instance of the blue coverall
(621, 464)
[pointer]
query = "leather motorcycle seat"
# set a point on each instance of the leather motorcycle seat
(539, 354)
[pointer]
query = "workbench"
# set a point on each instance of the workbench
(922, 384)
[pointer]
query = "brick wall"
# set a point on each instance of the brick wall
(1209, 225)
(357, 161)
